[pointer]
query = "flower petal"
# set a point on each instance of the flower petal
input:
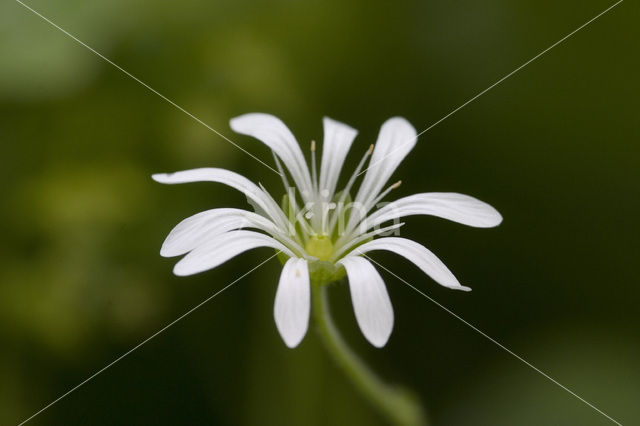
(419, 255)
(370, 299)
(223, 248)
(447, 205)
(338, 138)
(232, 179)
(293, 300)
(397, 137)
(202, 227)
(276, 135)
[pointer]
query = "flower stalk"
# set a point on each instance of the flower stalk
(398, 405)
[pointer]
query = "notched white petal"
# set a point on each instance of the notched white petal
(205, 226)
(293, 300)
(459, 208)
(417, 254)
(338, 138)
(370, 300)
(271, 131)
(207, 174)
(220, 249)
(396, 138)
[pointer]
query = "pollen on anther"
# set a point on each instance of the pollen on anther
(297, 272)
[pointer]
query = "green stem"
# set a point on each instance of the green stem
(400, 407)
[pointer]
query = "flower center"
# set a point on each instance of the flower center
(319, 246)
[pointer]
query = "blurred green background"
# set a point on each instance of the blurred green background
(554, 149)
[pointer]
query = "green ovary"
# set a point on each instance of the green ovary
(319, 246)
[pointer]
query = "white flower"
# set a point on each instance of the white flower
(325, 234)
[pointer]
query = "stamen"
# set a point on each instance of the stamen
(285, 182)
(326, 213)
(313, 167)
(351, 230)
(345, 191)
(305, 217)
(341, 248)
(353, 177)
(385, 192)
(297, 215)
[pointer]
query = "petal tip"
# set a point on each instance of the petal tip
(166, 252)
(292, 343)
(180, 270)
(236, 122)
(398, 121)
(493, 217)
(328, 121)
(241, 123)
(498, 219)
(379, 342)
(160, 177)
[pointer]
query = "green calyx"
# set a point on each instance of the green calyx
(319, 246)
(321, 271)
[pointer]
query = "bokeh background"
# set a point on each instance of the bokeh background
(554, 148)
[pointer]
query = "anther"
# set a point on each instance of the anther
(385, 192)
